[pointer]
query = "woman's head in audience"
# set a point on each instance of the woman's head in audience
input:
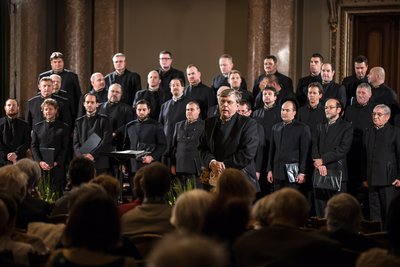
(93, 221)
(233, 182)
(110, 184)
(13, 182)
(190, 209)
(286, 206)
(32, 169)
(343, 213)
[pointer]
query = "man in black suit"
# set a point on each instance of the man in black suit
(70, 81)
(97, 128)
(290, 142)
(270, 67)
(51, 134)
(235, 81)
(315, 76)
(279, 241)
(185, 158)
(225, 65)
(330, 146)
(15, 138)
(98, 88)
(198, 91)
(382, 148)
(359, 76)
(144, 133)
(331, 89)
(129, 81)
(167, 73)
(152, 94)
(231, 140)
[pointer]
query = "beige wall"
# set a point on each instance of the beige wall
(196, 31)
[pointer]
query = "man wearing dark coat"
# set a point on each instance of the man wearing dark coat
(359, 76)
(54, 135)
(15, 134)
(98, 89)
(382, 149)
(168, 73)
(146, 134)
(69, 79)
(173, 110)
(185, 157)
(225, 65)
(120, 114)
(330, 88)
(330, 146)
(129, 81)
(315, 76)
(231, 140)
(152, 94)
(93, 135)
(198, 91)
(290, 142)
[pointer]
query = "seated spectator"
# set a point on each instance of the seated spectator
(93, 228)
(137, 192)
(184, 251)
(110, 184)
(234, 183)
(154, 214)
(8, 215)
(377, 257)
(189, 211)
(343, 214)
(32, 208)
(81, 170)
(280, 241)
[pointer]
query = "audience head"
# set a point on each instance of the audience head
(93, 222)
(156, 180)
(110, 184)
(11, 108)
(191, 250)
(137, 184)
(13, 182)
(316, 63)
(380, 115)
(234, 183)
(393, 222)
(153, 79)
(286, 206)
(376, 76)
(81, 170)
(98, 82)
(32, 169)
(57, 62)
(165, 58)
(343, 213)
(8, 214)
(189, 210)
(225, 64)
(361, 66)
(314, 94)
(363, 93)
(377, 257)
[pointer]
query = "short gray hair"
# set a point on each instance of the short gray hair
(385, 108)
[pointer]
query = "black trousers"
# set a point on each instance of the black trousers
(379, 198)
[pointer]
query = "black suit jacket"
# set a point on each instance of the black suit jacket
(155, 98)
(334, 90)
(331, 143)
(238, 147)
(166, 77)
(129, 81)
(204, 95)
(382, 149)
(185, 155)
(289, 144)
(17, 142)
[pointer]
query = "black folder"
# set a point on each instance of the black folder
(48, 154)
(91, 143)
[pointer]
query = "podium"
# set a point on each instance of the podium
(122, 157)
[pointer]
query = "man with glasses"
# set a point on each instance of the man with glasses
(129, 81)
(330, 145)
(167, 73)
(382, 172)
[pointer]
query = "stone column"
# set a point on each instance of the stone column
(77, 39)
(258, 38)
(105, 34)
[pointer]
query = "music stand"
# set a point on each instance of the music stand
(121, 157)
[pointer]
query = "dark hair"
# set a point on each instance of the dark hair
(245, 102)
(361, 59)
(88, 94)
(81, 170)
(272, 57)
(156, 180)
(142, 102)
(318, 85)
(193, 65)
(318, 55)
(14, 99)
(270, 88)
(93, 223)
(49, 102)
(293, 101)
(177, 79)
(328, 63)
(166, 52)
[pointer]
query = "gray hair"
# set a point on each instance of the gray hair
(385, 108)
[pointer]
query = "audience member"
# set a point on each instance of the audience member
(110, 184)
(129, 81)
(360, 76)
(168, 73)
(377, 257)
(153, 216)
(189, 211)
(315, 76)
(15, 138)
(137, 193)
(280, 241)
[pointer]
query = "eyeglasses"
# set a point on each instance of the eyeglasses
(165, 58)
(378, 114)
(330, 107)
